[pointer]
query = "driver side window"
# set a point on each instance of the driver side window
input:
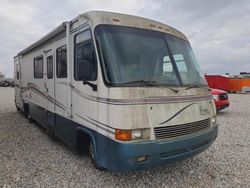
(167, 65)
(84, 51)
(168, 72)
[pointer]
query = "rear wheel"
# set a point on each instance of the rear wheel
(27, 112)
(29, 117)
(91, 154)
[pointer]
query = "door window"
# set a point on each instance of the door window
(50, 67)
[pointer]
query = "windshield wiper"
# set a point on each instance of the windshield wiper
(174, 90)
(150, 83)
(146, 82)
(140, 81)
(193, 86)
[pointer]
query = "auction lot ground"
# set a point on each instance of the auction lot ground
(29, 157)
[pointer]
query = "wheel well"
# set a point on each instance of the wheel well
(82, 142)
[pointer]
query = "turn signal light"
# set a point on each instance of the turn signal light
(123, 135)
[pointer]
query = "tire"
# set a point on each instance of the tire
(91, 154)
(29, 118)
(27, 112)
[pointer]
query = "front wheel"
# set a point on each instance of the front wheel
(18, 109)
(91, 154)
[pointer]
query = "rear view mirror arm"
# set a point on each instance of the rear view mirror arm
(94, 86)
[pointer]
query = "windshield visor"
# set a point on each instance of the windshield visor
(133, 56)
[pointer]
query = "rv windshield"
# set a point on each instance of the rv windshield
(134, 57)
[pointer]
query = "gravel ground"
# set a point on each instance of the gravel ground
(31, 158)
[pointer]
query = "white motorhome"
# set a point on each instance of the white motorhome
(125, 89)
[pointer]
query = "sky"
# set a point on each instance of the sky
(219, 30)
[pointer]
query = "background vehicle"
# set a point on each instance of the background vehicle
(125, 89)
(221, 99)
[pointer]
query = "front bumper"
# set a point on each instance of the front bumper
(223, 106)
(220, 105)
(118, 156)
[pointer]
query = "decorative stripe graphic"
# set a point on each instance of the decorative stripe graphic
(37, 90)
(96, 124)
(152, 100)
(177, 113)
(101, 123)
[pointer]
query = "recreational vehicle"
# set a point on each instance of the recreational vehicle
(124, 89)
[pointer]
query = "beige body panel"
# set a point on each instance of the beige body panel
(149, 107)
(101, 17)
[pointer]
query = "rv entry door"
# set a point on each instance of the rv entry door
(49, 86)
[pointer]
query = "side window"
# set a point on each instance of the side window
(38, 67)
(17, 72)
(167, 65)
(61, 62)
(84, 51)
(181, 64)
(50, 67)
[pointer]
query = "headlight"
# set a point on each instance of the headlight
(136, 134)
(128, 135)
(215, 97)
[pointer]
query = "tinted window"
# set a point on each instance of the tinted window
(38, 67)
(131, 56)
(61, 62)
(17, 72)
(49, 67)
(84, 51)
(167, 65)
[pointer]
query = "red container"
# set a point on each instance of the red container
(235, 84)
(218, 82)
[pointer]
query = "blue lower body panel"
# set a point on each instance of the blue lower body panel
(119, 156)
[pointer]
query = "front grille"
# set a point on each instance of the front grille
(181, 130)
(223, 96)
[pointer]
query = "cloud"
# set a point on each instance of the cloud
(219, 31)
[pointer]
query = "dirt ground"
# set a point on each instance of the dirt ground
(29, 157)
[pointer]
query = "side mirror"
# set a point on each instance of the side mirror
(84, 70)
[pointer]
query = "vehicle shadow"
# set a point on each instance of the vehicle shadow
(225, 112)
(40, 128)
(163, 175)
